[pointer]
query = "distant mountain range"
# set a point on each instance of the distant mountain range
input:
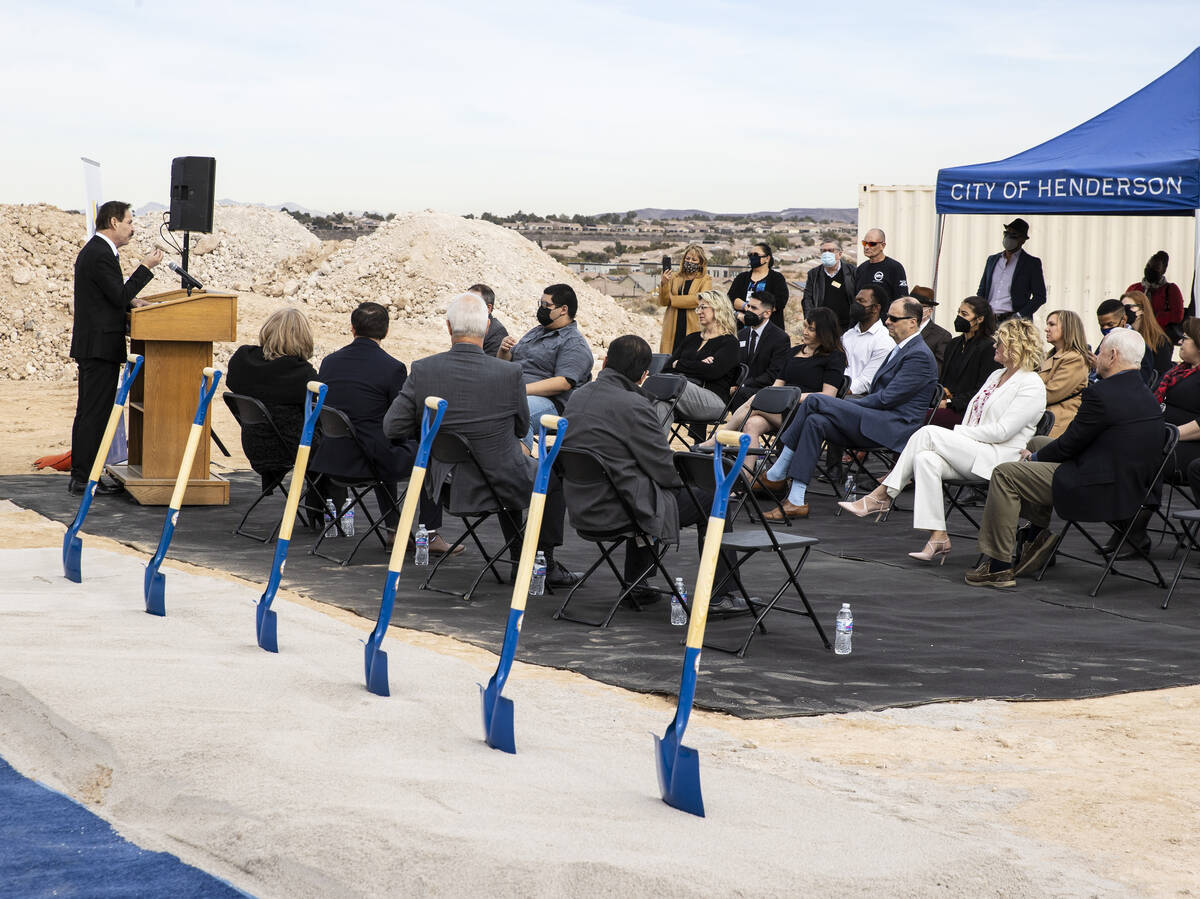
(294, 207)
(794, 212)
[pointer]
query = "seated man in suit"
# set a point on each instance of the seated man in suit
(363, 379)
(639, 459)
(935, 336)
(554, 356)
(764, 347)
(486, 405)
(496, 331)
(1097, 470)
(887, 415)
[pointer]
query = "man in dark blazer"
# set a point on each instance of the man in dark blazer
(639, 459)
(763, 347)
(102, 300)
(887, 415)
(1098, 469)
(486, 405)
(935, 336)
(1012, 281)
(363, 380)
(830, 284)
(496, 331)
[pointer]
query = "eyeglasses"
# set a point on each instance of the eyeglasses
(706, 308)
(898, 318)
(871, 243)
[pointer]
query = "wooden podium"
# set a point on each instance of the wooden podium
(175, 335)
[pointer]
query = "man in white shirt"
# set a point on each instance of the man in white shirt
(867, 342)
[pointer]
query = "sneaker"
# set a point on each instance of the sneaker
(1035, 553)
(729, 603)
(983, 576)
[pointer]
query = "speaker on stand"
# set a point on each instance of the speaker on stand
(193, 185)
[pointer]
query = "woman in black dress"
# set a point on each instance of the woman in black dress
(970, 358)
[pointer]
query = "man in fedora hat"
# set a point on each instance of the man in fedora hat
(1012, 281)
(935, 336)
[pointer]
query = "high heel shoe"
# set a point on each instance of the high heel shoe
(868, 505)
(934, 549)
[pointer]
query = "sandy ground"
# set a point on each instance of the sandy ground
(284, 775)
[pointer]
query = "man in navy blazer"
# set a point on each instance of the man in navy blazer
(887, 415)
(1012, 281)
(363, 380)
(102, 300)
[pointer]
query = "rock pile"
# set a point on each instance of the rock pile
(416, 262)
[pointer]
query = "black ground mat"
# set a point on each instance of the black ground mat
(920, 634)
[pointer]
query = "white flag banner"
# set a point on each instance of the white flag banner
(91, 189)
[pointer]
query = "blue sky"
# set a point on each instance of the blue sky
(554, 107)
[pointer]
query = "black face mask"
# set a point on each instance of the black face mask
(1130, 315)
(755, 260)
(961, 325)
(1152, 275)
(858, 313)
(752, 319)
(543, 316)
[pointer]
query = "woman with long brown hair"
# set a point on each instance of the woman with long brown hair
(1066, 367)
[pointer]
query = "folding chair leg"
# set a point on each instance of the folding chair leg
(1189, 537)
(605, 553)
(266, 491)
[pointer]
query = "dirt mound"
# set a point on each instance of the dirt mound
(416, 262)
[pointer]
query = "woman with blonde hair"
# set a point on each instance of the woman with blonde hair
(709, 359)
(1138, 305)
(680, 292)
(997, 425)
(1066, 368)
(275, 372)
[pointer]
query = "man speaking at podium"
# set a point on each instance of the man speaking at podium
(102, 300)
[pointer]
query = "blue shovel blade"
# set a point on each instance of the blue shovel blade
(678, 774)
(377, 671)
(73, 558)
(265, 619)
(497, 718)
(155, 592)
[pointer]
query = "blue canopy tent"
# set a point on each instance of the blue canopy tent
(1141, 157)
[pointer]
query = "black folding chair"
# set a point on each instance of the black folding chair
(334, 424)
(665, 388)
(582, 466)
(695, 430)
(1189, 522)
(737, 547)
(249, 412)
(657, 361)
(953, 488)
(454, 449)
(1170, 439)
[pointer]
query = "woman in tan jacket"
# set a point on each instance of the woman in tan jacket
(680, 293)
(1066, 367)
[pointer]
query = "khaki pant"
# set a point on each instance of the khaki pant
(1017, 490)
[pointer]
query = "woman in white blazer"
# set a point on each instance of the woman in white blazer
(997, 425)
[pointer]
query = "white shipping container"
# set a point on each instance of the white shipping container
(1086, 258)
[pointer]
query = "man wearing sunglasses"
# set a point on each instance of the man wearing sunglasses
(1012, 281)
(879, 269)
(886, 416)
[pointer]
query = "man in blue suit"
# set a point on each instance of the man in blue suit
(887, 415)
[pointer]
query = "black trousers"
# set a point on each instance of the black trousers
(94, 401)
(637, 558)
(552, 520)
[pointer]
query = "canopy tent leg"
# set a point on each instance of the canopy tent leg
(937, 244)
(1195, 304)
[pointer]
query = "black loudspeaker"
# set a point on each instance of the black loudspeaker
(193, 185)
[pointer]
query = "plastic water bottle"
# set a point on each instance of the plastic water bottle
(348, 519)
(678, 615)
(845, 630)
(537, 582)
(421, 556)
(331, 528)
(850, 488)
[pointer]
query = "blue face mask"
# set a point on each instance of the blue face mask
(828, 259)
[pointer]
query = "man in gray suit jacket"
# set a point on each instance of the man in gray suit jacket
(486, 405)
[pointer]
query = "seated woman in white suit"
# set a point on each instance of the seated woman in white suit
(998, 423)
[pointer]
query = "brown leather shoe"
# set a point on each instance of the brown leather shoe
(763, 484)
(438, 545)
(789, 510)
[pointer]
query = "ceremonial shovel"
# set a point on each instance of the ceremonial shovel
(374, 658)
(72, 545)
(154, 585)
(679, 765)
(265, 618)
(497, 709)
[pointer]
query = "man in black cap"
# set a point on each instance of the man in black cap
(1012, 281)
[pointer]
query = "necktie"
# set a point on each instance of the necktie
(753, 344)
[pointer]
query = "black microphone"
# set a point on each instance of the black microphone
(188, 281)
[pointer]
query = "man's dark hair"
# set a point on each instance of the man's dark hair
(879, 292)
(629, 355)
(489, 295)
(913, 309)
(370, 320)
(113, 209)
(563, 295)
(765, 297)
(1110, 306)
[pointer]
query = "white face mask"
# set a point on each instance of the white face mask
(828, 259)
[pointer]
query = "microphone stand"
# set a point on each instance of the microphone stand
(187, 240)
